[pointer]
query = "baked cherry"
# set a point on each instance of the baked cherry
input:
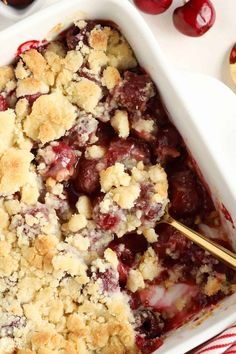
(134, 91)
(195, 17)
(167, 144)
(149, 323)
(121, 150)
(153, 7)
(184, 196)
(87, 180)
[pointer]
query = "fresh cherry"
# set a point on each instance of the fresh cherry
(20, 4)
(232, 58)
(153, 7)
(232, 62)
(195, 17)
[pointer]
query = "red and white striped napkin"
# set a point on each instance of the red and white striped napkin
(224, 343)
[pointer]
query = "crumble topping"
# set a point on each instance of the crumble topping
(124, 194)
(77, 222)
(85, 93)
(14, 170)
(7, 128)
(51, 116)
(142, 125)
(73, 61)
(120, 123)
(111, 77)
(114, 176)
(97, 59)
(37, 65)
(94, 152)
(21, 72)
(30, 86)
(84, 206)
(88, 163)
(7, 78)
(98, 39)
(121, 56)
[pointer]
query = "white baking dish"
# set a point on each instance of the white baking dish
(203, 109)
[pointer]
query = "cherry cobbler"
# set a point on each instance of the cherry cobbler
(88, 163)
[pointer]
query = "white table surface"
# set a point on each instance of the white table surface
(207, 54)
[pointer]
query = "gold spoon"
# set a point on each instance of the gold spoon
(216, 250)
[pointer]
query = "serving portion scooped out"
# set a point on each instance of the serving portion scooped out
(89, 161)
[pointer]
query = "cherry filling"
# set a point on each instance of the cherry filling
(87, 180)
(125, 150)
(134, 92)
(119, 150)
(3, 103)
(60, 162)
(108, 280)
(108, 221)
(167, 145)
(148, 346)
(32, 98)
(74, 35)
(149, 210)
(33, 44)
(185, 199)
(149, 323)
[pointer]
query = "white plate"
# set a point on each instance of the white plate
(202, 108)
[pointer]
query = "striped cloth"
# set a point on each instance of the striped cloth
(224, 343)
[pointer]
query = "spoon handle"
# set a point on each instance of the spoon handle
(216, 250)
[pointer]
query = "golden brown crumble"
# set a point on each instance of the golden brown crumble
(98, 39)
(51, 116)
(111, 77)
(7, 78)
(85, 93)
(7, 128)
(30, 86)
(120, 123)
(14, 170)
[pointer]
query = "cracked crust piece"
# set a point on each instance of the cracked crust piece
(51, 116)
